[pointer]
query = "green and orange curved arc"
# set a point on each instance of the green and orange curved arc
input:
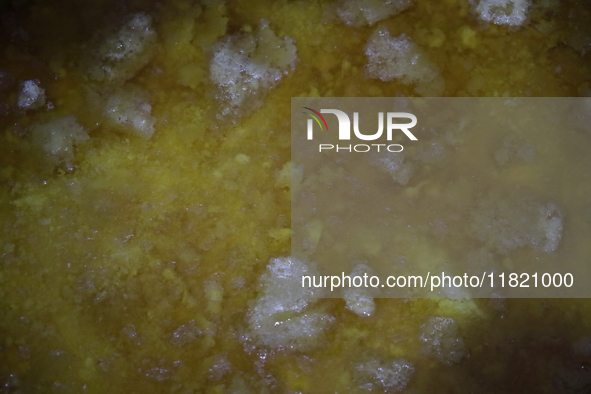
(316, 116)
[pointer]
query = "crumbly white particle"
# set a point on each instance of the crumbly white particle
(399, 58)
(511, 223)
(133, 112)
(384, 376)
(393, 164)
(246, 67)
(58, 138)
(440, 339)
(131, 37)
(119, 55)
(31, 96)
(285, 314)
(185, 334)
(502, 12)
(360, 300)
(368, 12)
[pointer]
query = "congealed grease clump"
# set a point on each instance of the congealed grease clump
(385, 376)
(360, 300)
(119, 55)
(285, 315)
(185, 334)
(502, 12)
(441, 340)
(393, 164)
(31, 96)
(130, 110)
(368, 12)
(246, 67)
(507, 224)
(57, 139)
(391, 58)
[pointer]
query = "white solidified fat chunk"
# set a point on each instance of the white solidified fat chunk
(507, 224)
(185, 333)
(285, 315)
(440, 339)
(385, 376)
(368, 12)
(131, 111)
(246, 67)
(58, 137)
(392, 164)
(121, 54)
(502, 12)
(399, 58)
(360, 300)
(220, 368)
(31, 96)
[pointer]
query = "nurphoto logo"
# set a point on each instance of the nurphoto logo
(344, 132)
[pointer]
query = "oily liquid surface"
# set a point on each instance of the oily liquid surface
(133, 271)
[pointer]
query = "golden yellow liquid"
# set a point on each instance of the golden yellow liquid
(101, 264)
